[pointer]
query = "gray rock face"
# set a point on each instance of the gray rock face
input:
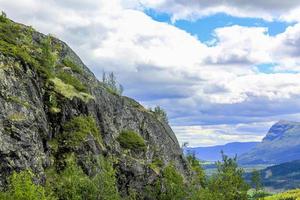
(27, 125)
(281, 144)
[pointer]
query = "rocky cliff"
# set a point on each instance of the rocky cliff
(44, 86)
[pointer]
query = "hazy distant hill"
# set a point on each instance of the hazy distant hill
(280, 177)
(281, 144)
(213, 153)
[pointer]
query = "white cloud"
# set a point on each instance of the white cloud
(161, 64)
(268, 10)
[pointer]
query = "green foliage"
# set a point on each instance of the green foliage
(171, 185)
(69, 91)
(53, 103)
(17, 117)
(105, 180)
(74, 67)
(160, 114)
(22, 188)
(16, 41)
(198, 178)
(71, 80)
(71, 183)
(256, 183)
(131, 140)
(156, 165)
(19, 101)
(228, 183)
(289, 195)
(111, 84)
(77, 129)
(3, 17)
(48, 57)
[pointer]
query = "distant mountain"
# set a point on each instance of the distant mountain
(281, 177)
(213, 153)
(281, 144)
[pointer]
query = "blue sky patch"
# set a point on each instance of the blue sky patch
(203, 28)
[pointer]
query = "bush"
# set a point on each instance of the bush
(22, 188)
(131, 140)
(77, 129)
(228, 183)
(170, 186)
(71, 80)
(71, 183)
(160, 114)
(74, 67)
(105, 180)
(111, 83)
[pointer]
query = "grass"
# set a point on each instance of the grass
(131, 140)
(18, 101)
(289, 195)
(69, 91)
(77, 130)
(71, 80)
(74, 67)
(17, 117)
(16, 41)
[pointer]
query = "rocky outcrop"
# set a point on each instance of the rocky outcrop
(281, 144)
(30, 122)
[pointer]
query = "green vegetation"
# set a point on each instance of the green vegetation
(21, 187)
(111, 84)
(289, 195)
(131, 140)
(71, 80)
(74, 67)
(106, 181)
(228, 182)
(156, 165)
(16, 41)
(77, 130)
(69, 91)
(73, 184)
(17, 100)
(169, 186)
(17, 117)
(199, 178)
(160, 114)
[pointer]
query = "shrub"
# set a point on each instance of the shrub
(228, 183)
(22, 188)
(111, 83)
(160, 114)
(77, 129)
(169, 186)
(198, 178)
(71, 80)
(131, 140)
(68, 91)
(71, 183)
(74, 67)
(105, 180)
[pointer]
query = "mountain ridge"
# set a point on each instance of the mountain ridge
(281, 144)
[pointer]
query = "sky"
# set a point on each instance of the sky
(224, 70)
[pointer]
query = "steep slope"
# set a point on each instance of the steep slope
(213, 153)
(45, 90)
(281, 144)
(280, 177)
